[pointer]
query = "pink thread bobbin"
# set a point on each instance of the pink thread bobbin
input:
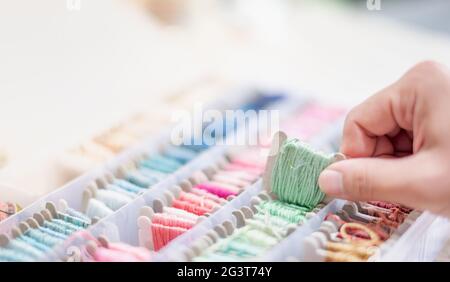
(189, 207)
(216, 190)
(172, 221)
(162, 235)
(198, 200)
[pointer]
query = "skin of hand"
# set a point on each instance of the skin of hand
(398, 144)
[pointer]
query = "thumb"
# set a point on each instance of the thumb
(395, 180)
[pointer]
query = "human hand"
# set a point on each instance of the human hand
(398, 144)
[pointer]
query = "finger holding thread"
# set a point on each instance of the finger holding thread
(403, 180)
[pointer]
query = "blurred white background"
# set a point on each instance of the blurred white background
(67, 73)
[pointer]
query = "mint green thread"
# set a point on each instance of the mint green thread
(288, 212)
(261, 232)
(296, 172)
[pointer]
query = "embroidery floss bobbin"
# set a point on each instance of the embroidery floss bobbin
(293, 170)
(295, 174)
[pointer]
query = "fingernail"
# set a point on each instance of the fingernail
(330, 182)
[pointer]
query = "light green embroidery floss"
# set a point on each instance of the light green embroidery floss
(261, 232)
(296, 172)
(290, 213)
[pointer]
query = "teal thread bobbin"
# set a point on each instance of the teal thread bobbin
(31, 241)
(296, 172)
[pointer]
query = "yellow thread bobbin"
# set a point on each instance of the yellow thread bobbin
(357, 250)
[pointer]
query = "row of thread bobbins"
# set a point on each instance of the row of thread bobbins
(113, 191)
(255, 229)
(35, 238)
(360, 231)
(205, 192)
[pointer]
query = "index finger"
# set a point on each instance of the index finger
(384, 113)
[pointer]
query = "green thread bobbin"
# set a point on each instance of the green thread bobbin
(296, 172)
